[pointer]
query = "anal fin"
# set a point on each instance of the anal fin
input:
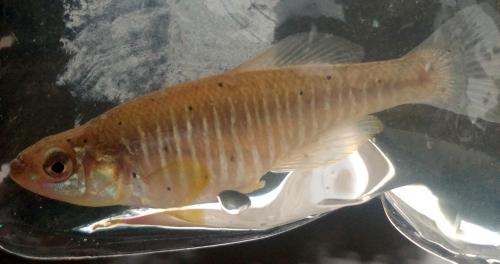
(332, 145)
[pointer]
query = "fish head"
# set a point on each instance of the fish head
(51, 161)
(59, 169)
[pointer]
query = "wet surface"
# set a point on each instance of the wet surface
(40, 95)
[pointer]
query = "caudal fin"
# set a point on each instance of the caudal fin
(468, 48)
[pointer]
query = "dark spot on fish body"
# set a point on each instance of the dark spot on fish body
(169, 189)
(328, 77)
(231, 158)
(379, 81)
(152, 99)
(301, 93)
(134, 175)
(190, 108)
(85, 141)
(68, 140)
(220, 84)
(120, 123)
(486, 100)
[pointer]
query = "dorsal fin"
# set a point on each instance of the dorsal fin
(332, 146)
(305, 48)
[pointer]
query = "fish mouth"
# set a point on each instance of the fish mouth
(17, 167)
(18, 173)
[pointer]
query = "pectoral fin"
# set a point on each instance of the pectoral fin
(332, 146)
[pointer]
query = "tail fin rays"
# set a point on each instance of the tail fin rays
(469, 52)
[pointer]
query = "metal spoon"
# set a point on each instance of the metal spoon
(454, 210)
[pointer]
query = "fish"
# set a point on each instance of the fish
(306, 102)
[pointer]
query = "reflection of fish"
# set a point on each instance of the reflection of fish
(303, 103)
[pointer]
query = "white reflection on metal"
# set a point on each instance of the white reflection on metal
(477, 235)
(346, 179)
(421, 199)
(377, 188)
(263, 200)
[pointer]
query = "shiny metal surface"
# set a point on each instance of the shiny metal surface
(452, 209)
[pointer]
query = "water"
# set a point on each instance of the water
(71, 60)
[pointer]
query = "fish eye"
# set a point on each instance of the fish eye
(58, 165)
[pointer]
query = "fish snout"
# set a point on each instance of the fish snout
(17, 166)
